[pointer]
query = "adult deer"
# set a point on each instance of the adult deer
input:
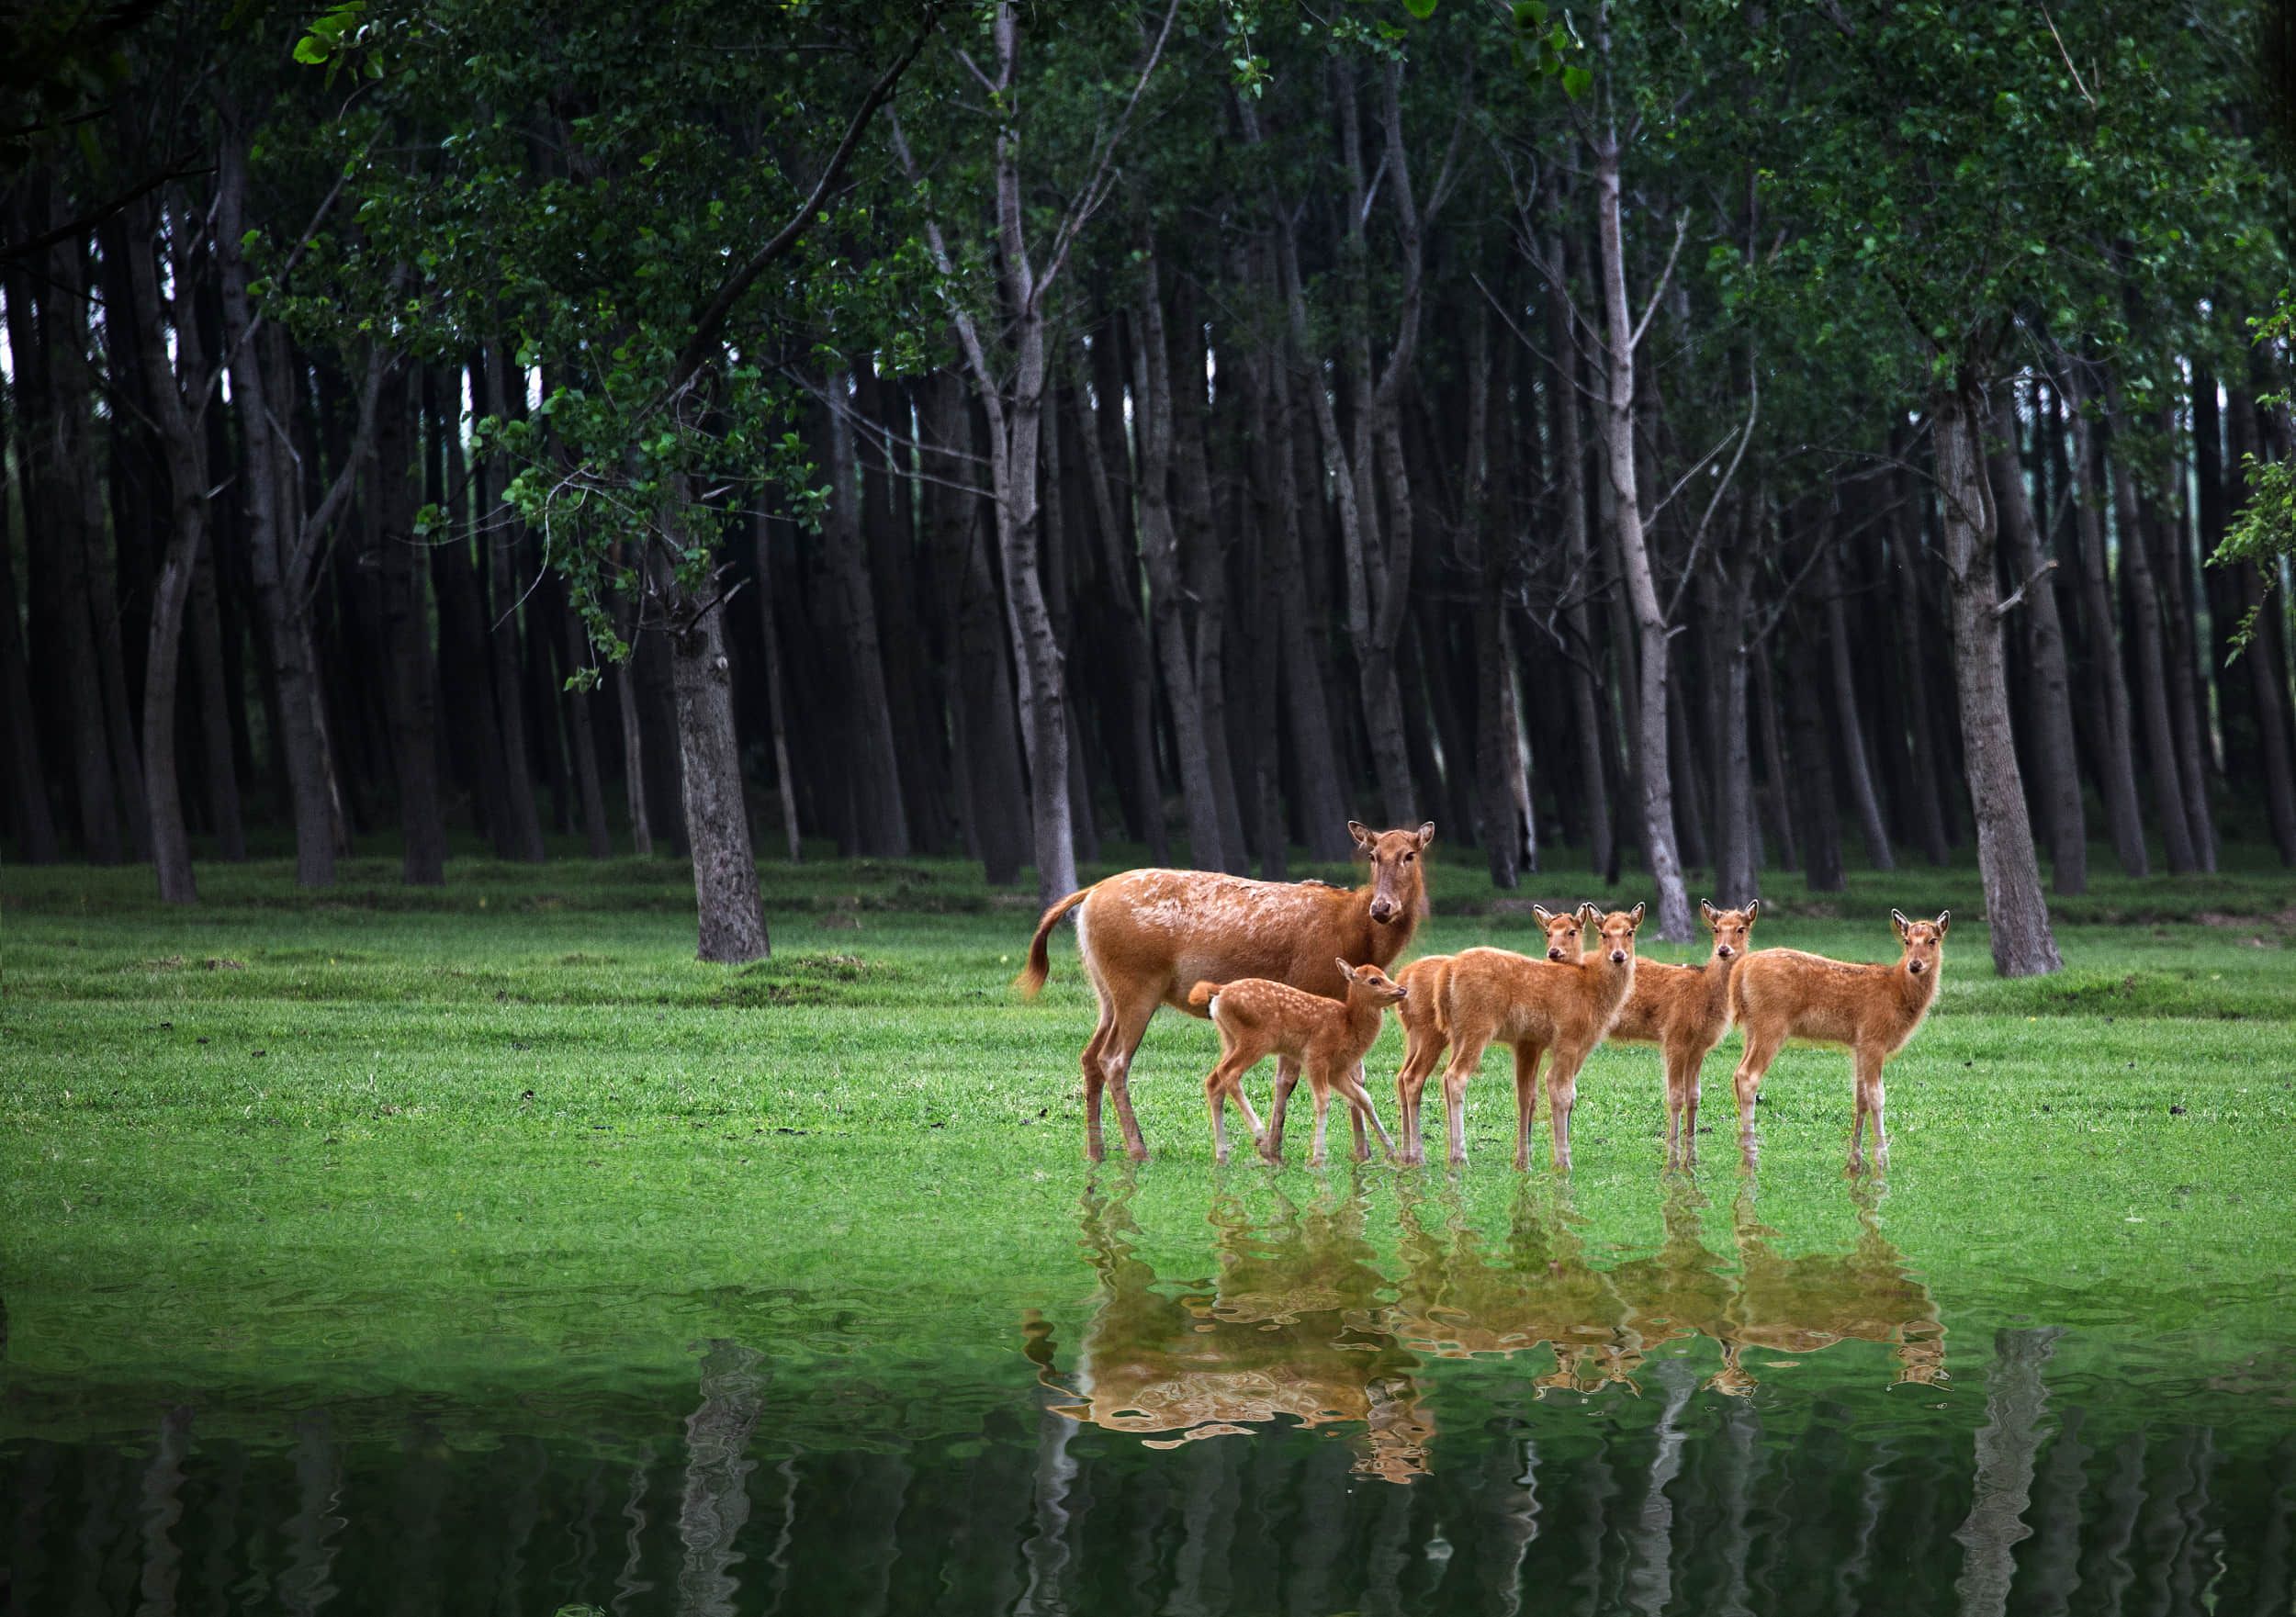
(1782, 994)
(1149, 936)
(1685, 1010)
(1557, 1008)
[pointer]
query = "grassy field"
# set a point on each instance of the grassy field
(510, 1128)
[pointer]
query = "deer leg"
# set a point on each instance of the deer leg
(1096, 1077)
(1753, 1062)
(1527, 1056)
(1410, 1083)
(1287, 1079)
(1874, 1107)
(1217, 1083)
(1866, 1103)
(1360, 1099)
(1562, 1093)
(1354, 1076)
(1322, 1116)
(1465, 1055)
(1693, 1061)
(1116, 1062)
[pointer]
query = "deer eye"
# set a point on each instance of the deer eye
(1409, 856)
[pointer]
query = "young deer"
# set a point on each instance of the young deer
(1685, 1010)
(1147, 935)
(1426, 1035)
(1257, 1018)
(1538, 1006)
(1782, 994)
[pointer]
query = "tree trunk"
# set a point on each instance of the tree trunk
(1819, 810)
(624, 677)
(411, 697)
(2117, 773)
(582, 727)
(1738, 846)
(183, 449)
(992, 793)
(2152, 666)
(776, 699)
(2052, 738)
(1619, 429)
(1203, 562)
(64, 323)
(270, 547)
(2163, 525)
(871, 761)
(1160, 551)
(1100, 430)
(498, 528)
(1498, 728)
(732, 917)
(2016, 912)
(1587, 718)
(35, 825)
(217, 694)
(1847, 718)
(1916, 658)
(52, 546)
(1773, 788)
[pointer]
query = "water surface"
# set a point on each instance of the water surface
(1360, 1394)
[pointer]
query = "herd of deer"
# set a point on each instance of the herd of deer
(1298, 971)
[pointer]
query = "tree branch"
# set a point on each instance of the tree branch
(721, 307)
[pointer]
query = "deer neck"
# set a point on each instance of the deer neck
(1612, 983)
(1916, 993)
(1718, 973)
(1363, 1019)
(1410, 897)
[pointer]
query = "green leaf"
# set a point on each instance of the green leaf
(1421, 9)
(1576, 80)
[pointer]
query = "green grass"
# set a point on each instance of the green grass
(510, 1128)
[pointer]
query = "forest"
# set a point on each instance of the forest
(1665, 444)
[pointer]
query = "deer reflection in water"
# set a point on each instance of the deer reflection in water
(1292, 1326)
(1298, 1321)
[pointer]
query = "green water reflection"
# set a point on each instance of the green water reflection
(1360, 1400)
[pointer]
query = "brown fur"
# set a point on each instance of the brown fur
(1493, 994)
(1685, 1010)
(1328, 1039)
(1147, 937)
(1425, 1033)
(1782, 994)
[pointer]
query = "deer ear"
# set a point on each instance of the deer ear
(1361, 833)
(1752, 910)
(1945, 919)
(1346, 970)
(1706, 909)
(1636, 913)
(1589, 913)
(1897, 919)
(1541, 914)
(1426, 834)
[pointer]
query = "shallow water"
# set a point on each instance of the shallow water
(1371, 1397)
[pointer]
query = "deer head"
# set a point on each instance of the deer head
(1396, 884)
(1617, 935)
(1732, 929)
(1562, 932)
(1369, 983)
(1924, 940)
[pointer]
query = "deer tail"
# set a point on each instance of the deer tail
(1201, 994)
(1039, 966)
